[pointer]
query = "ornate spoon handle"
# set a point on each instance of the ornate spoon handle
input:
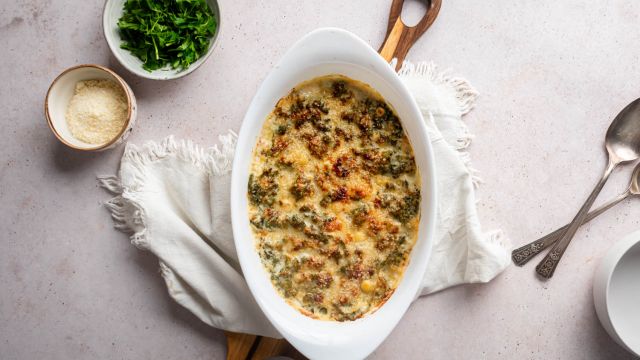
(548, 265)
(523, 254)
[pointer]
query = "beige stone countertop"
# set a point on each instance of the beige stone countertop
(552, 75)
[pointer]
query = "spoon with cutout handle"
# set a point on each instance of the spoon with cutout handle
(523, 254)
(622, 143)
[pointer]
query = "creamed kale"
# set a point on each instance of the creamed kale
(334, 197)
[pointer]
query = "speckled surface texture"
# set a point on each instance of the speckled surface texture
(552, 75)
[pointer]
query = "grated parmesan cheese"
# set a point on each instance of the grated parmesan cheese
(97, 111)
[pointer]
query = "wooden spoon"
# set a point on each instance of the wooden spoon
(252, 347)
(401, 37)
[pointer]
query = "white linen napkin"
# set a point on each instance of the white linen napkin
(173, 198)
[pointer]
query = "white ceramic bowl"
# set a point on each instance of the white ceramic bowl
(113, 12)
(322, 52)
(60, 93)
(616, 292)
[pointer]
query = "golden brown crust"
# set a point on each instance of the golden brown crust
(334, 194)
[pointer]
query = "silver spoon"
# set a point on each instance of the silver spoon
(525, 253)
(623, 144)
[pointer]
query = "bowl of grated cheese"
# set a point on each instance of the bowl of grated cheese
(90, 108)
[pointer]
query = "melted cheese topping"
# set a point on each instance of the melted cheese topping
(334, 198)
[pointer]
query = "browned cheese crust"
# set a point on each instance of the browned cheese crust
(334, 197)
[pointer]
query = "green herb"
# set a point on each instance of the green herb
(267, 219)
(359, 214)
(406, 208)
(167, 32)
(302, 187)
(263, 189)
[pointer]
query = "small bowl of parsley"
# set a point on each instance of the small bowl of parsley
(161, 39)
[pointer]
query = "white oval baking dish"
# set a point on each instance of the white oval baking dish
(323, 52)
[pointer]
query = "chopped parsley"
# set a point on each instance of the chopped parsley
(162, 33)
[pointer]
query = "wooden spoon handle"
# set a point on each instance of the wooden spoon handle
(401, 37)
(252, 347)
(239, 345)
(269, 347)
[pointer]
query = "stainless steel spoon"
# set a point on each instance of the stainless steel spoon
(527, 252)
(623, 144)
